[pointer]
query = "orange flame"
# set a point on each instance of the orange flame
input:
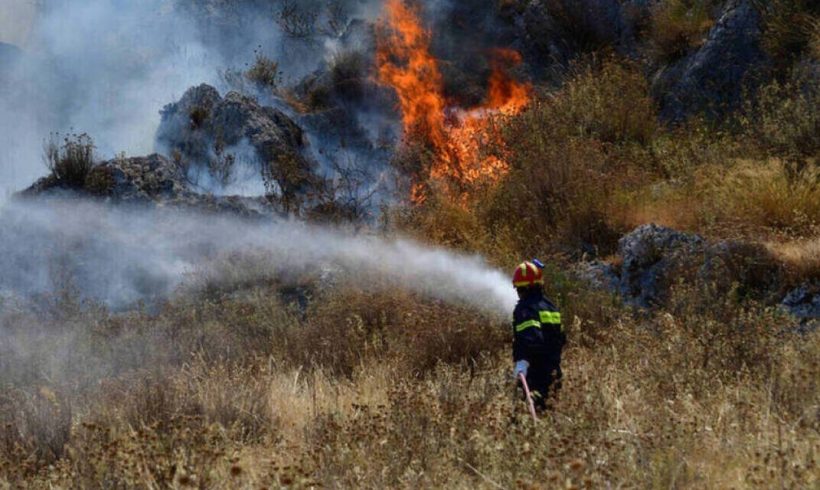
(456, 135)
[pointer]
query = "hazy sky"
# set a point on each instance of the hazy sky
(16, 19)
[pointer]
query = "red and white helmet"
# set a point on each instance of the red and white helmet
(527, 274)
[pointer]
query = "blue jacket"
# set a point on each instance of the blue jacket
(538, 331)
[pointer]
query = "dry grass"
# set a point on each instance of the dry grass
(749, 200)
(589, 162)
(801, 258)
(682, 398)
(239, 386)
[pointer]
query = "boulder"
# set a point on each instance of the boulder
(804, 303)
(650, 254)
(203, 127)
(653, 258)
(713, 78)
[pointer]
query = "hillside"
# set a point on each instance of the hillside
(301, 277)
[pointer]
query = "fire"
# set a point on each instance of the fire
(455, 134)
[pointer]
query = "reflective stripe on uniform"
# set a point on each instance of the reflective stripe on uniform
(550, 317)
(527, 324)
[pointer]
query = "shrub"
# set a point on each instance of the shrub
(782, 119)
(565, 154)
(800, 258)
(731, 334)
(765, 197)
(349, 327)
(610, 102)
(557, 192)
(297, 20)
(789, 28)
(34, 429)
(70, 162)
(748, 199)
(264, 72)
(100, 181)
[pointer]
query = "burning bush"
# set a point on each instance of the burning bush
(566, 162)
(454, 135)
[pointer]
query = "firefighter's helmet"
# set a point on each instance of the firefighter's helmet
(527, 274)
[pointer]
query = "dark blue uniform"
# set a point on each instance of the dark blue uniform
(539, 339)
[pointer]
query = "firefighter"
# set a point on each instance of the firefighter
(538, 334)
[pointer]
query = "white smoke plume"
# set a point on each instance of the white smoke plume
(121, 256)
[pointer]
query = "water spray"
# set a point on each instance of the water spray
(122, 256)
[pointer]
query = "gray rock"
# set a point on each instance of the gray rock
(650, 253)
(653, 258)
(202, 125)
(598, 275)
(713, 77)
(804, 303)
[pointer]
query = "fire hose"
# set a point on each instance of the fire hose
(530, 403)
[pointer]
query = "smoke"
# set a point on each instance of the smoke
(122, 256)
(107, 67)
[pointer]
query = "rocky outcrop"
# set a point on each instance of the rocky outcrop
(713, 77)
(804, 304)
(652, 259)
(650, 254)
(203, 127)
(152, 180)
